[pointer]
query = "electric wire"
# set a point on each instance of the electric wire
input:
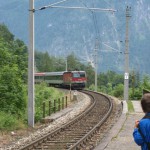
(44, 7)
(53, 6)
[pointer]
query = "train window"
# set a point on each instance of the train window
(36, 77)
(53, 77)
(39, 77)
(79, 75)
(82, 74)
(76, 75)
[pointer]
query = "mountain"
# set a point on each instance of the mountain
(63, 31)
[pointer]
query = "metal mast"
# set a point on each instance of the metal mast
(96, 51)
(126, 74)
(31, 65)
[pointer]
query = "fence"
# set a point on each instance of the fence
(52, 106)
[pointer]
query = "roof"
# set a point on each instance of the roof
(49, 73)
(55, 73)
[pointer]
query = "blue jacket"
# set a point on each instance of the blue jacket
(145, 129)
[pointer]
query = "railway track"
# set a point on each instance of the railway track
(76, 133)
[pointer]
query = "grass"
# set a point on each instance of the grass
(9, 121)
(130, 106)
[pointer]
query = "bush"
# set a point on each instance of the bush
(92, 87)
(118, 91)
(10, 122)
(42, 94)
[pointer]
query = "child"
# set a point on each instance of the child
(141, 133)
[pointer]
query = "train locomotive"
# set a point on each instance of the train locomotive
(64, 79)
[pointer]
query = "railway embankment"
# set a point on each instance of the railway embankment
(76, 107)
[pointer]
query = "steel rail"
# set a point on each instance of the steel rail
(90, 133)
(35, 143)
(65, 126)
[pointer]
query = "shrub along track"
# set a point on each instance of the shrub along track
(83, 131)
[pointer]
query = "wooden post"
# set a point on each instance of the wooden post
(59, 104)
(62, 102)
(43, 109)
(49, 108)
(54, 106)
(66, 102)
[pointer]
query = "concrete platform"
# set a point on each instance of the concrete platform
(120, 137)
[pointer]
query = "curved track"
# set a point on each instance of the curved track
(77, 132)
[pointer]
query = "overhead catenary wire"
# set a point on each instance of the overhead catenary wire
(44, 7)
(110, 47)
(94, 9)
(67, 7)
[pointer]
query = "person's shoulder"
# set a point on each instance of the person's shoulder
(144, 121)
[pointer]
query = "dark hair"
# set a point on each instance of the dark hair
(145, 102)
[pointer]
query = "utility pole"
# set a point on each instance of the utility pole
(96, 50)
(126, 73)
(31, 65)
(66, 64)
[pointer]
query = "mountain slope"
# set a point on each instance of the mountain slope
(62, 31)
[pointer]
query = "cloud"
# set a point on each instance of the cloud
(49, 25)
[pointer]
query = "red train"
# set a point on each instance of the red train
(65, 79)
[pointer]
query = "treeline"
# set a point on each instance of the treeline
(13, 72)
(47, 63)
(109, 82)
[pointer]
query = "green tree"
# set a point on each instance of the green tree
(109, 78)
(90, 75)
(73, 63)
(118, 91)
(146, 82)
(59, 64)
(13, 67)
(44, 63)
(5, 33)
(12, 99)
